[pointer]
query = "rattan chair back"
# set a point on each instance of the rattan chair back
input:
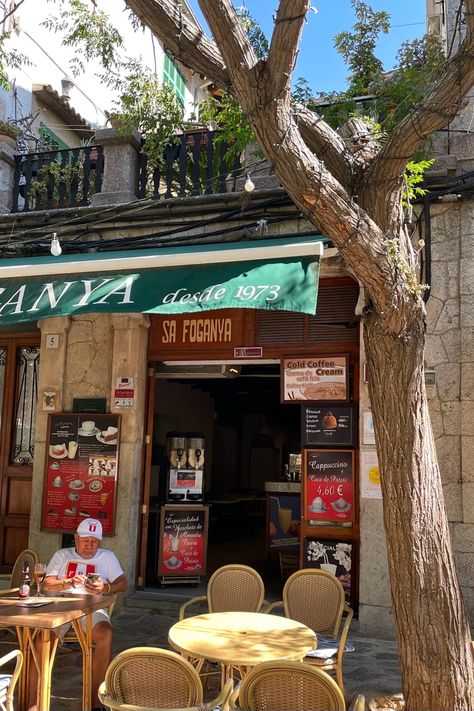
(235, 588)
(315, 598)
(31, 557)
(289, 686)
(153, 678)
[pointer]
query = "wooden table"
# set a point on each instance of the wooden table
(32, 621)
(240, 639)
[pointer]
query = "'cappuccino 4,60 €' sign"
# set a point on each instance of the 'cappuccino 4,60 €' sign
(320, 378)
(328, 485)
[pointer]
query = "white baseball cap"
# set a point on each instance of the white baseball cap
(90, 527)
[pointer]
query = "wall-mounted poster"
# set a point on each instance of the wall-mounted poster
(332, 556)
(81, 470)
(370, 476)
(320, 378)
(369, 431)
(183, 541)
(328, 485)
(284, 521)
(328, 425)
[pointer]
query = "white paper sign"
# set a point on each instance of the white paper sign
(368, 431)
(370, 476)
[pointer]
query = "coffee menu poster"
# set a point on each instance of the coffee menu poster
(328, 485)
(316, 379)
(183, 541)
(328, 425)
(81, 471)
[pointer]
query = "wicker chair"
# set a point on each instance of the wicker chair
(151, 679)
(232, 588)
(8, 681)
(290, 686)
(31, 557)
(316, 598)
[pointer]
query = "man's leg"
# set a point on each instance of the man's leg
(101, 657)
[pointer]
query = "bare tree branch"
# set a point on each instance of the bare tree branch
(326, 143)
(184, 40)
(242, 59)
(286, 36)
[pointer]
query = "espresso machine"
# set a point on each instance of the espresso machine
(185, 452)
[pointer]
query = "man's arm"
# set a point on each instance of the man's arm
(102, 587)
(53, 583)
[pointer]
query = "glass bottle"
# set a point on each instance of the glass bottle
(25, 582)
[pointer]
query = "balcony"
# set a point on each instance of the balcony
(195, 163)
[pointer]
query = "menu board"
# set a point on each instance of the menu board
(183, 541)
(319, 378)
(334, 557)
(81, 470)
(329, 425)
(328, 485)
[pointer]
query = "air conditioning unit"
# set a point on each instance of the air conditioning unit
(191, 372)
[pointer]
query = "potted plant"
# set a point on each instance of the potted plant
(8, 133)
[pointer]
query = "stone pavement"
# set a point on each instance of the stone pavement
(371, 670)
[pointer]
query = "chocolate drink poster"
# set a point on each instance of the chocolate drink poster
(81, 470)
(183, 541)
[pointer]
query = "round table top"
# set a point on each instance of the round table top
(241, 638)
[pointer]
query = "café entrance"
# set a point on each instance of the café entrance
(247, 437)
(217, 376)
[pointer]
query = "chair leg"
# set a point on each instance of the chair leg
(340, 681)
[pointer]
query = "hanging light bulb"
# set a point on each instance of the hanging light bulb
(249, 186)
(55, 246)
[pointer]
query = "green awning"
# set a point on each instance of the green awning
(277, 274)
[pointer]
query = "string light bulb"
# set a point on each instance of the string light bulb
(249, 186)
(55, 246)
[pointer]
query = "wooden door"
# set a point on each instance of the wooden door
(19, 369)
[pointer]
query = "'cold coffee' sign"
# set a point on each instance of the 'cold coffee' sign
(320, 378)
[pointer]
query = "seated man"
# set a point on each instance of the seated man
(68, 570)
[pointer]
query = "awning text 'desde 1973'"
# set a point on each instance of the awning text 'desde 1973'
(270, 274)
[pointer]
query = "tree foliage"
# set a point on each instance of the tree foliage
(88, 30)
(357, 47)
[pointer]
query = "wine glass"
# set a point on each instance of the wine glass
(39, 575)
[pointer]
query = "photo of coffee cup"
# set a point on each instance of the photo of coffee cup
(341, 505)
(57, 481)
(317, 505)
(88, 425)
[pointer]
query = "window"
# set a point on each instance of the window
(49, 141)
(173, 77)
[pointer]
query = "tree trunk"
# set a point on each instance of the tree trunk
(437, 662)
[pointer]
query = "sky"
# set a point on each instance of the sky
(318, 62)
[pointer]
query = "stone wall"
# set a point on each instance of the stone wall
(450, 351)
(94, 350)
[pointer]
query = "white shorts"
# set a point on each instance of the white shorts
(97, 616)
